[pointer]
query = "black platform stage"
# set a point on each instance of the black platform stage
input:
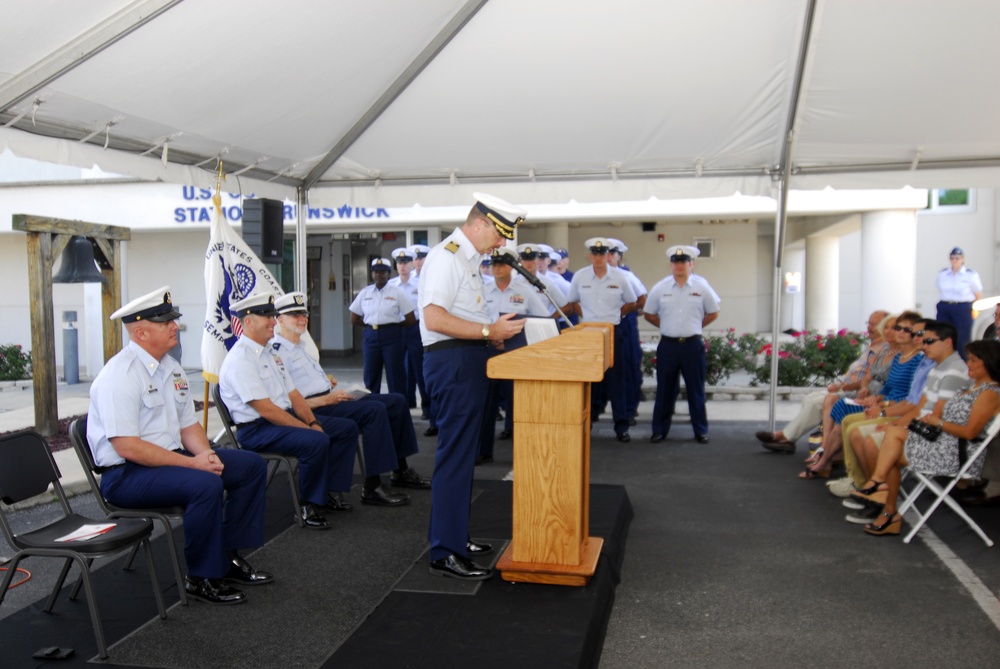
(356, 596)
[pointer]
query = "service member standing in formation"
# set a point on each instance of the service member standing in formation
(455, 329)
(384, 311)
(273, 416)
(153, 452)
(630, 328)
(960, 287)
(505, 296)
(681, 306)
(384, 420)
(408, 282)
(603, 294)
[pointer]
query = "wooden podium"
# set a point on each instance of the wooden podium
(550, 541)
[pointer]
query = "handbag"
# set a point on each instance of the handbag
(925, 430)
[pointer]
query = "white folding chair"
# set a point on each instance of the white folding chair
(925, 481)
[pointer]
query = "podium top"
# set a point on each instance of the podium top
(581, 355)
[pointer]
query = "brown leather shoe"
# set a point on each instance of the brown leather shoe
(780, 446)
(765, 437)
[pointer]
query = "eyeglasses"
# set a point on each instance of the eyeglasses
(930, 340)
(918, 333)
(902, 328)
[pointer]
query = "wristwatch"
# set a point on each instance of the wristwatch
(486, 331)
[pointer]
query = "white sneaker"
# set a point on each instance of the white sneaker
(852, 504)
(841, 487)
(864, 516)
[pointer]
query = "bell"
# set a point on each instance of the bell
(78, 264)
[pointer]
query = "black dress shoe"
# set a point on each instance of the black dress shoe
(624, 438)
(409, 478)
(335, 502)
(701, 438)
(456, 566)
(505, 435)
(483, 459)
(383, 496)
(241, 573)
(657, 438)
(312, 519)
(476, 549)
(213, 591)
(431, 432)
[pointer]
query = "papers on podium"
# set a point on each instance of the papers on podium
(535, 330)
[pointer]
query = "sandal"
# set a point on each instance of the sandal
(892, 525)
(815, 457)
(814, 474)
(868, 492)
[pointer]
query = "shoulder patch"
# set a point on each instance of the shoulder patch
(452, 247)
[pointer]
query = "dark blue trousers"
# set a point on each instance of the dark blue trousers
(376, 436)
(414, 354)
(687, 359)
(612, 388)
(326, 459)
(384, 348)
(632, 355)
(213, 523)
(959, 315)
(500, 392)
(404, 436)
(456, 379)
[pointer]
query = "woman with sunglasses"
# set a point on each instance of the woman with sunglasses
(897, 387)
(963, 417)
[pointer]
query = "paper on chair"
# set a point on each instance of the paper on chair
(85, 532)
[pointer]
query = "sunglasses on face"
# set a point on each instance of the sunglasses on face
(930, 340)
(902, 328)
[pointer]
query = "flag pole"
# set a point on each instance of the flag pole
(217, 201)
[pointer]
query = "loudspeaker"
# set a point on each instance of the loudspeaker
(262, 229)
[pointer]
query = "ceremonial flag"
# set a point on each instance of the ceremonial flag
(232, 271)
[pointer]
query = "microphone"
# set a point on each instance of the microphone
(506, 256)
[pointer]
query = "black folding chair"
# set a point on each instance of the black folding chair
(26, 470)
(78, 436)
(274, 460)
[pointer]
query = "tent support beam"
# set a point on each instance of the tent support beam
(440, 41)
(783, 174)
(301, 239)
(81, 49)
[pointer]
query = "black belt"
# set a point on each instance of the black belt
(105, 470)
(679, 340)
(252, 422)
(454, 343)
(951, 302)
(383, 325)
(325, 392)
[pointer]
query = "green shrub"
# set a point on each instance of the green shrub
(810, 359)
(15, 363)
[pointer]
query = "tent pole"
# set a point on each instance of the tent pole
(301, 263)
(779, 247)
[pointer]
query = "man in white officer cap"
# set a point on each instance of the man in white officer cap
(383, 311)
(681, 306)
(630, 327)
(152, 452)
(273, 416)
(408, 282)
(603, 294)
(530, 255)
(419, 253)
(456, 328)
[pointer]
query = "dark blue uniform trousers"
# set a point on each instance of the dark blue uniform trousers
(384, 348)
(379, 428)
(685, 358)
(400, 422)
(456, 379)
(632, 355)
(326, 459)
(959, 315)
(213, 523)
(499, 392)
(612, 388)
(414, 354)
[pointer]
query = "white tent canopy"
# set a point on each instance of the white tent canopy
(403, 102)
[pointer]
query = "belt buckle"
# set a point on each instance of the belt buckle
(375, 326)
(681, 339)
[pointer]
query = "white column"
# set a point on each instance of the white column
(557, 235)
(888, 260)
(822, 281)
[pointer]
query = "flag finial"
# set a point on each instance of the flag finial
(217, 198)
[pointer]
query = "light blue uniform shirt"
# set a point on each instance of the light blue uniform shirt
(381, 307)
(959, 286)
(681, 309)
(450, 279)
(411, 288)
(601, 300)
(253, 372)
(304, 370)
(520, 297)
(135, 395)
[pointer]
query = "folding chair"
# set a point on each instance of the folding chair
(78, 436)
(925, 481)
(26, 470)
(274, 460)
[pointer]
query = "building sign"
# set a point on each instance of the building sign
(201, 210)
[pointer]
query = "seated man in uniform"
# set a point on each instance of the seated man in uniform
(153, 452)
(387, 428)
(273, 416)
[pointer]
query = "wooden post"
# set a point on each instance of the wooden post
(46, 239)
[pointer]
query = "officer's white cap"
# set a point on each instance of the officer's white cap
(402, 254)
(597, 243)
(618, 245)
(504, 216)
(258, 304)
(382, 264)
(545, 250)
(291, 303)
(419, 250)
(555, 256)
(682, 252)
(155, 306)
(531, 249)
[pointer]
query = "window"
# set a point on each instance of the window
(706, 246)
(951, 200)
